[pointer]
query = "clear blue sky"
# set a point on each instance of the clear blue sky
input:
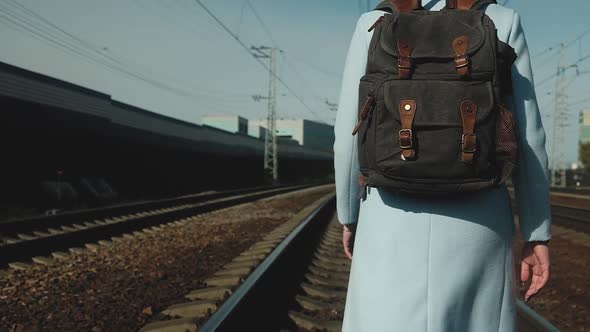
(174, 43)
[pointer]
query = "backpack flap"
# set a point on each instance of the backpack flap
(439, 37)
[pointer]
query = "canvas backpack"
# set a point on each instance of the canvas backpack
(434, 113)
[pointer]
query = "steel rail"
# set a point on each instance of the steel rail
(20, 225)
(260, 304)
(529, 320)
(44, 245)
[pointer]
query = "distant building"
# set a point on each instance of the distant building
(585, 126)
(256, 131)
(232, 123)
(311, 134)
(287, 140)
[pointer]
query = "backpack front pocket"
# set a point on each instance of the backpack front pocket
(437, 136)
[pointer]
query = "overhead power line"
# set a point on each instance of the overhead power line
(85, 50)
(264, 26)
(571, 42)
(556, 47)
(245, 47)
(29, 21)
(290, 65)
(317, 68)
(545, 51)
(545, 81)
(564, 68)
(580, 60)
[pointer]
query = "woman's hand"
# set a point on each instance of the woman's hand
(535, 257)
(348, 232)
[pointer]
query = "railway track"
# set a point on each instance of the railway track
(295, 279)
(569, 210)
(37, 238)
(570, 190)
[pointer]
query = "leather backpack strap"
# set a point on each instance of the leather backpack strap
(404, 61)
(461, 45)
(468, 4)
(468, 139)
(481, 4)
(407, 112)
(399, 5)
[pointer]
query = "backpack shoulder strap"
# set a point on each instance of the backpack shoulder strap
(482, 4)
(468, 4)
(399, 5)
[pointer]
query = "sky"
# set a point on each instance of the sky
(171, 57)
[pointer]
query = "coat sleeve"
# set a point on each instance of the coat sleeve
(531, 182)
(346, 166)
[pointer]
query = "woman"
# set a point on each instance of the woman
(428, 265)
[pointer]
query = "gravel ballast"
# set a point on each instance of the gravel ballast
(119, 287)
(565, 300)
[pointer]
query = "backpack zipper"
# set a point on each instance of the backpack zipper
(369, 105)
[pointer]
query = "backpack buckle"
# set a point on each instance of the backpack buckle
(461, 47)
(404, 62)
(405, 141)
(461, 60)
(469, 143)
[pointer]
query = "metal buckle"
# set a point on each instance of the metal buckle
(399, 62)
(409, 146)
(463, 143)
(463, 58)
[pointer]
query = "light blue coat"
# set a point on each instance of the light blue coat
(424, 265)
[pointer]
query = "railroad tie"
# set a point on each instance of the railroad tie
(209, 293)
(312, 324)
(196, 309)
(44, 260)
(174, 325)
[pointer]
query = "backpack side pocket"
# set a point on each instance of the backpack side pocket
(506, 142)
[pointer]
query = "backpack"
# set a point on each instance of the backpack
(433, 114)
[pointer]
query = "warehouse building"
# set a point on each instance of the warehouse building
(310, 134)
(232, 123)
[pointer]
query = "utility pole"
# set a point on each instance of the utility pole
(270, 140)
(560, 123)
